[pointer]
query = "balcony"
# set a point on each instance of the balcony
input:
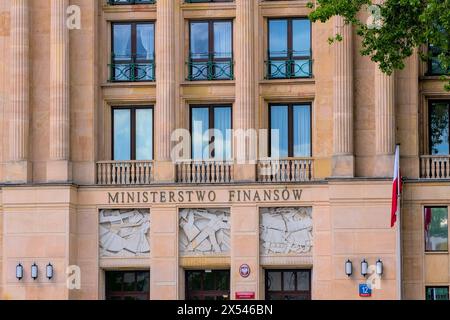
(287, 170)
(124, 172)
(435, 167)
(206, 171)
(288, 69)
(210, 69)
(124, 69)
(130, 2)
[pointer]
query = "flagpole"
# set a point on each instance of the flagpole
(399, 229)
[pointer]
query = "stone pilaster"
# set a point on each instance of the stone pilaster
(384, 123)
(343, 157)
(164, 253)
(166, 90)
(244, 113)
(19, 167)
(58, 166)
(245, 250)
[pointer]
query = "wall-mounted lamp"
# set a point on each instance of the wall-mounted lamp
(34, 271)
(379, 267)
(348, 268)
(49, 271)
(19, 272)
(364, 268)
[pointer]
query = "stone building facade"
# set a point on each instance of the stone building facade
(91, 93)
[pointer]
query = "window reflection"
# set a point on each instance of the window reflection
(437, 293)
(211, 132)
(439, 128)
(144, 134)
(122, 135)
(122, 41)
(436, 228)
(132, 134)
(279, 131)
(289, 48)
(290, 131)
(211, 50)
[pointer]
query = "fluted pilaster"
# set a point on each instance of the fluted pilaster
(59, 82)
(384, 113)
(165, 78)
(245, 90)
(166, 90)
(245, 80)
(20, 78)
(384, 124)
(343, 158)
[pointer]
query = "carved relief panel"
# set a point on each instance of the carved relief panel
(204, 231)
(286, 231)
(124, 233)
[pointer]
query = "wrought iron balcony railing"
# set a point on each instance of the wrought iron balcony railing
(289, 65)
(204, 171)
(210, 69)
(286, 170)
(124, 172)
(131, 69)
(435, 167)
(129, 2)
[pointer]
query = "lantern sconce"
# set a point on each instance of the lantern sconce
(364, 268)
(19, 271)
(34, 271)
(348, 268)
(379, 267)
(49, 271)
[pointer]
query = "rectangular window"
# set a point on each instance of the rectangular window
(133, 51)
(132, 133)
(211, 50)
(289, 54)
(288, 285)
(127, 285)
(434, 66)
(436, 228)
(211, 132)
(439, 112)
(437, 293)
(290, 131)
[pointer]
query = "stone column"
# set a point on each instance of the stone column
(58, 166)
(343, 157)
(19, 167)
(384, 123)
(244, 111)
(166, 89)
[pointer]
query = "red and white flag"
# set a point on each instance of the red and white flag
(396, 188)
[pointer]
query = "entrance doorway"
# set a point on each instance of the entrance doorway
(288, 284)
(208, 285)
(127, 285)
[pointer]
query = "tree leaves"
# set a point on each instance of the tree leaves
(405, 26)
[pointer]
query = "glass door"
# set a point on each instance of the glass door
(208, 285)
(127, 285)
(288, 285)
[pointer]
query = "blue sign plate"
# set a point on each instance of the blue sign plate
(364, 290)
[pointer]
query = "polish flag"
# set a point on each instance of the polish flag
(396, 188)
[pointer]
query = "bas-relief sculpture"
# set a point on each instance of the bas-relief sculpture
(286, 231)
(204, 231)
(124, 233)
